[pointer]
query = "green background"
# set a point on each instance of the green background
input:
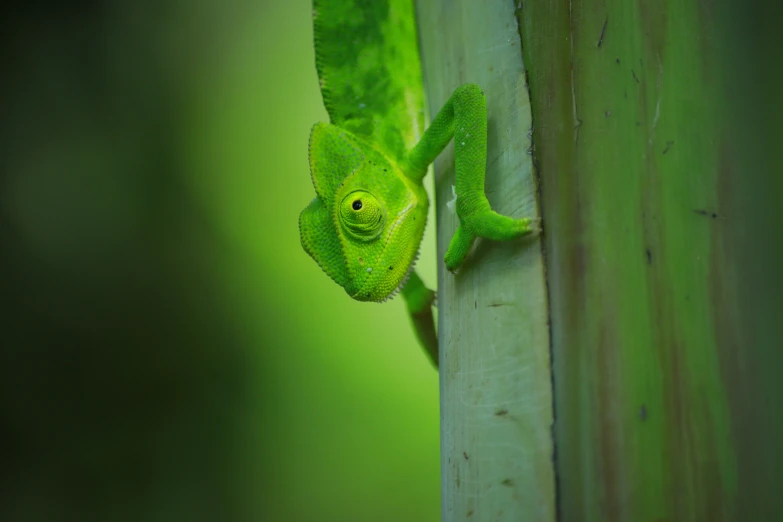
(169, 352)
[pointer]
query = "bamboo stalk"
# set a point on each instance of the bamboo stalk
(496, 399)
(667, 400)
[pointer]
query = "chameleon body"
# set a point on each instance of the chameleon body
(365, 225)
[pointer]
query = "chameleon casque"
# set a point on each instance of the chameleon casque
(365, 225)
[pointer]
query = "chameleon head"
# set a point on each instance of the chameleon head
(366, 222)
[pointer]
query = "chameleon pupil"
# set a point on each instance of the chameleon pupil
(357, 205)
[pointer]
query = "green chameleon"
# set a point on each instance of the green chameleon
(365, 225)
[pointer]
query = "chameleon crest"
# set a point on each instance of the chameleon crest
(366, 222)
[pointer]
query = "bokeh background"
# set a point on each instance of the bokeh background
(168, 351)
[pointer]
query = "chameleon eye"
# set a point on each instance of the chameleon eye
(367, 224)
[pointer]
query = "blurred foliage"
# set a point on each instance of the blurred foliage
(168, 350)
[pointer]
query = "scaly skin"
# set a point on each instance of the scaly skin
(365, 225)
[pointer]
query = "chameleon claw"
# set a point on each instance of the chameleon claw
(534, 224)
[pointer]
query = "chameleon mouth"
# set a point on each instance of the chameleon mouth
(403, 281)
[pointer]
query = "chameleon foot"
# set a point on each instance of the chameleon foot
(489, 225)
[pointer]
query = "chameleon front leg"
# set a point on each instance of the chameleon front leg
(464, 117)
(419, 300)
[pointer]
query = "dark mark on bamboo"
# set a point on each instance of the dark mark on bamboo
(603, 31)
(706, 213)
(668, 146)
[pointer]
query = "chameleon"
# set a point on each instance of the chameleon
(364, 226)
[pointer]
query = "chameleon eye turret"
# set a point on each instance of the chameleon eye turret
(362, 216)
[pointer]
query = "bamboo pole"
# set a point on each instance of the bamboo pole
(496, 399)
(663, 255)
